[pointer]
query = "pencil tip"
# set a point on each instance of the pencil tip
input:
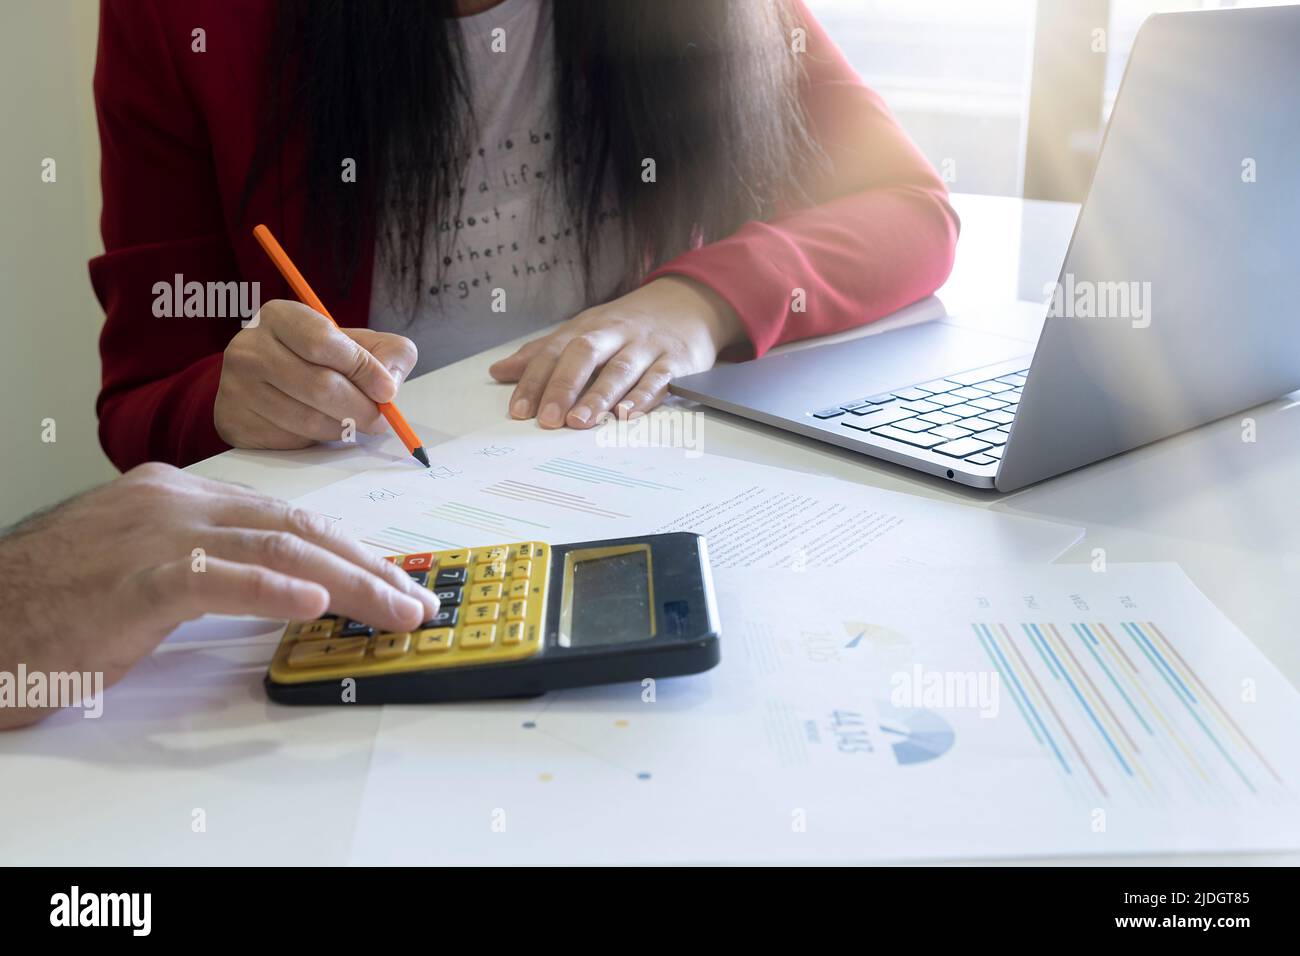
(421, 457)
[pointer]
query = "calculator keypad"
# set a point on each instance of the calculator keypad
(485, 592)
(327, 653)
(481, 613)
(447, 597)
(492, 607)
(390, 646)
(451, 576)
(481, 636)
(433, 640)
(445, 617)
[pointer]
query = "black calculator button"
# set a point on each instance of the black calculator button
(419, 577)
(448, 597)
(356, 629)
(444, 618)
(450, 576)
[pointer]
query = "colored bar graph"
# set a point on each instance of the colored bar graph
(525, 491)
(503, 527)
(404, 541)
(1118, 707)
(597, 474)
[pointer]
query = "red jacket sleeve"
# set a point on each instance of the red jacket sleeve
(161, 217)
(880, 236)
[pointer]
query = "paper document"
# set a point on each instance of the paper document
(894, 716)
(224, 629)
(516, 482)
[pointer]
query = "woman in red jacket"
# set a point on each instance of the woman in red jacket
(673, 178)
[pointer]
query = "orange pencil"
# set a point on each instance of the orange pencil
(305, 293)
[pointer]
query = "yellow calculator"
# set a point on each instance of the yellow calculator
(517, 620)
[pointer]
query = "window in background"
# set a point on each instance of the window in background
(955, 72)
(958, 74)
(1081, 49)
(1127, 15)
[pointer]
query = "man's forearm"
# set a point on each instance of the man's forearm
(33, 654)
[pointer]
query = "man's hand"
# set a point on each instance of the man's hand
(97, 583)
(291, 378)
(634, 346)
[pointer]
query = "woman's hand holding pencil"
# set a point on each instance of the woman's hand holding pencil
(294, 378)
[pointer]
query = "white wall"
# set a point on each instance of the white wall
(49, 319)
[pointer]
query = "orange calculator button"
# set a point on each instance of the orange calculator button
(418, 562)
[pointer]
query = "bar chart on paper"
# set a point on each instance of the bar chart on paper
(1121, 713)
(518, 483)
(392, 540)
(457, 524)
(1004, 712)
(495, 493)
(599, 475)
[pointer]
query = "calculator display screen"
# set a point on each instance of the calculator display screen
(611, 601)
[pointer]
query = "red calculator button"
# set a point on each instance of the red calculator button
(417, 562)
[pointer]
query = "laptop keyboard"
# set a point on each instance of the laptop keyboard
(966, 416)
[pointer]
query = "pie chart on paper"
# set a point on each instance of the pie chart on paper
(915, 736)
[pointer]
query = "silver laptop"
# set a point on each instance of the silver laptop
(1176, 303)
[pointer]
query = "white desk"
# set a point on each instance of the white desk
(282, 785)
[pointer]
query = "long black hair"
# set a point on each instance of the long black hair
(708, 89)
